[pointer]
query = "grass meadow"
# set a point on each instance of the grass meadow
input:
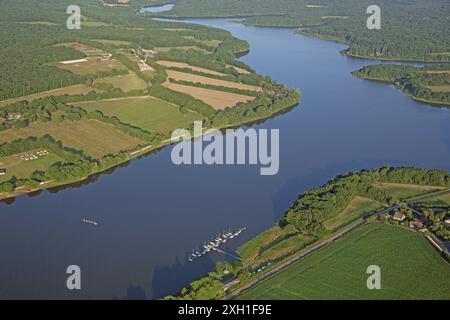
(410, 269)
(144, 112)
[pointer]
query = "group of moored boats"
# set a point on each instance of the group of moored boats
(213, 245)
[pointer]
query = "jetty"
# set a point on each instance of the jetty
(215, 244)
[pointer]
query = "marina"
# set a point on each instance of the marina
(215, 244)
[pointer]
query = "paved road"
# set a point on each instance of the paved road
(322, 244)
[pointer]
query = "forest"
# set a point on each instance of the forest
(429, 84)
(315, 206)
(31, 38)
(410, 29)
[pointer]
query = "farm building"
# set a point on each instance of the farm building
(2, 171)
(416, 224)
(14, 115)
(149, 53)
(399, 216)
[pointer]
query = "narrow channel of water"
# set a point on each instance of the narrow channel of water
(152, 213)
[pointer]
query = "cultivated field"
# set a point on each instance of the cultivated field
(240, 70)
(334, 17)
(71, 90)
(441, 89)
(445, 198)
(125, 82)
(117, 43)
(410, 267)
(91, 65)
(212, 43)
(405, 191)
(354, 211)
(183, 76)
(174, 64)
(94, 137)
(144, 112)
(184, 48)
(217, 99)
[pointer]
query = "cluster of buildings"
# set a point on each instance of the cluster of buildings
(146, 53)
(105, 56)
(420, 222)
(119, 3)
(11, 116)
(33, 155)
(143, 66)
(417, 222)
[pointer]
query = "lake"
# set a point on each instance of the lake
(152, 213)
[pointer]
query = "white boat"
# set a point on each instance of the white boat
(94, 223)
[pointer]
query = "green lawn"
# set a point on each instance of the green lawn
(144, 112)
(410, 269)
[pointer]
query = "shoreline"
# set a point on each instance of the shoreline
(297, 30)
(417, 99)
(145, 150)
(136, 154)
(351, 55)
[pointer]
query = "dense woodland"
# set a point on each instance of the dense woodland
(315, 206)
(411, 29)
(30, 39)
(414, 81)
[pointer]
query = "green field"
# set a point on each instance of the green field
(410, 269)
(354, 211)
(77, 89)
(286, 247)
(144, 112)
(95, 138)
(445, 198)
(439, 202)
(125, 82)
(91, 65)
(23, 169)
(406, 191)
(250, 250)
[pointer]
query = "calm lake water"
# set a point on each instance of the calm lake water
(152, 213)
